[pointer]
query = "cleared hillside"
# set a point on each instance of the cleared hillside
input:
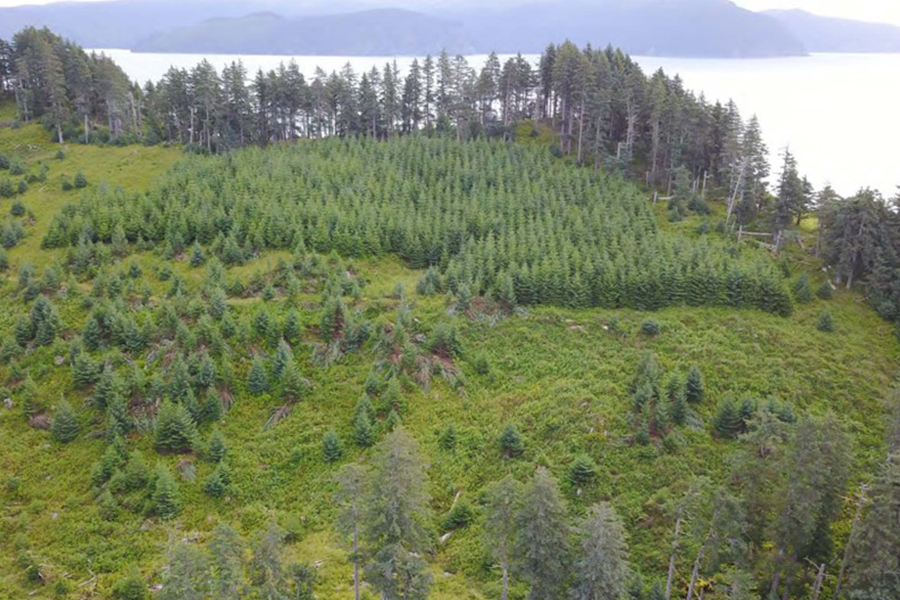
(562, 376)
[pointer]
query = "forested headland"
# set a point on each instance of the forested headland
(515, 330)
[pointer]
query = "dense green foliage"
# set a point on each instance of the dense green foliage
(225, 338)
(484, 213)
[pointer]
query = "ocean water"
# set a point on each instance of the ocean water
(838, 113)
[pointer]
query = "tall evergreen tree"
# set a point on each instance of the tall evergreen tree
(352, 483)
(542, 541)
(601, 569)
(501, 509)
(397, 517)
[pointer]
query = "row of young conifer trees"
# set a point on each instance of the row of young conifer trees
(488, 216)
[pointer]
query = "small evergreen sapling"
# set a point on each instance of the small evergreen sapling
(257, 379)
(826, 322)
(728, 422)
(363, 430)
(294, 387)
(65, 424)
(448, 438)
(802, 290)
(393, 421)
(218, 481)
(166, 497)
(331, 447)
(582, 470)
(650, 328)
(511, 443)
(694, 388)
(197, 256)
(216, 449)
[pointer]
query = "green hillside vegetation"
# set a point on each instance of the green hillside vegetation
(490, 216)
(303, 328)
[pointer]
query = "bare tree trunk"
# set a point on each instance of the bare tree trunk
(87, 129)
(694, 575)
(505, 593)
(581, 133)
(191, 131)
(671, 575)
(817, 588)
(562, 129)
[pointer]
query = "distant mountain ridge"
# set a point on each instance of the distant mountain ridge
(827, 34)
(682, 28)
(687, 28)
(366, 33)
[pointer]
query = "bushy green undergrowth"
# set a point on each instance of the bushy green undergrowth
(486, 391)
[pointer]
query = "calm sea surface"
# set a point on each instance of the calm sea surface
(839, 114)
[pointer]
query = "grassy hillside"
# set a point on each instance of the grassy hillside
(560, 375)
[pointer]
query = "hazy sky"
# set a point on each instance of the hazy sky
(871, 10)
(887, 11)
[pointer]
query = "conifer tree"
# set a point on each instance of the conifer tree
(28, 394)
(136, 472)
(393, 421)
(283, 357)
(206, 373)
(294, 387)
(166, 496)
(332, 449)
(397, 517)
(218, 305)
(107, 386)
(197, 256)
(226, 552)
(511, 442)
(727, 422)
(363, 430)
(582, 470)
(216, 449)
(448, 438)
(875, 551)
(825, 323)
(601, 569)
(84, 371)
(694, 386)
(65, 424)
(118, 421)
(352, 481)
(501, 509)
(187, 574)
(175, 429)
(111, 461)
(542, 537)
(217, 483)
(802, 290)
(257, 378)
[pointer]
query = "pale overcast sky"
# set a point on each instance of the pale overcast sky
(887, 11)
(871, 10)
